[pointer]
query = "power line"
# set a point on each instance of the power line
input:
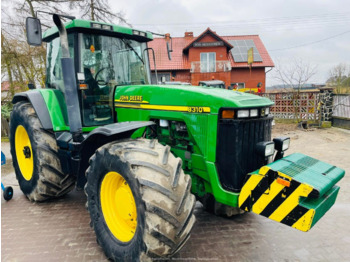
(321, 17)
(311, 43)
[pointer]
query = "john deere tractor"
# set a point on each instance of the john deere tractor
(145, 153)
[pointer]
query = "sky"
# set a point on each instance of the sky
(316, 31)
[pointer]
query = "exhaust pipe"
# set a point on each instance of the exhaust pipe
(70, 84)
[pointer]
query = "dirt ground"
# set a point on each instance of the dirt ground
(59, 230)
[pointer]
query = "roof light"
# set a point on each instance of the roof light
(107, 27)
(143, 34)
(135, 32)
(94, 25)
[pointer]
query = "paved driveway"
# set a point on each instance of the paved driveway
(59, 230)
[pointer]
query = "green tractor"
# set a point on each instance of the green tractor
(145, 153)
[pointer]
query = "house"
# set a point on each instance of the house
(5, 91)
(211, 57)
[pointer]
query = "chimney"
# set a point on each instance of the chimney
(188, 34)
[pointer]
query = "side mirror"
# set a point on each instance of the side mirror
(33, 28)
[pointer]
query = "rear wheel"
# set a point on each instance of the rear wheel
(139, 200)
(35, 157)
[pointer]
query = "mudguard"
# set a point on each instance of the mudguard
(296, 190)
(92, 141)
(38, 102)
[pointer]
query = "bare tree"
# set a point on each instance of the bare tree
(294, 76)
(99, 10)
(339, 78)
(21, 63)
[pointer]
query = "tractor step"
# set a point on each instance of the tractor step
(296, 190)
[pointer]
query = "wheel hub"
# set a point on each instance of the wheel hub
(26, 152)
(118, 206)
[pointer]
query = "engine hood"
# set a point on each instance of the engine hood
(188, 96)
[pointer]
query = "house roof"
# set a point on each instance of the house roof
(180, 59)
(207, 32)
(266, 59)
(5, 86)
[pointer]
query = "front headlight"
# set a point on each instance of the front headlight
(281, 143)
(266, 149)
(253, 112)
(243, 113)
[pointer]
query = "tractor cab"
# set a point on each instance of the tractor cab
(213, 83)
(105, 57)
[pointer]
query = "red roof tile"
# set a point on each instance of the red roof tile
(180, 60)
(5, 86)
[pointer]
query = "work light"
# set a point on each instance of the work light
(281, 143)
(266, 149)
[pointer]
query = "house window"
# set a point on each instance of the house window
(208, 62)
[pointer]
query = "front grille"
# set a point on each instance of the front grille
(236, 149)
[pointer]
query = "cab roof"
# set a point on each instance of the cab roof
(86, 26)
(212, 82)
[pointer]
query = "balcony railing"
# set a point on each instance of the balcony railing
(203, 67)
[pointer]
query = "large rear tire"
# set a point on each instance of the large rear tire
(35, 157)
(139, 200)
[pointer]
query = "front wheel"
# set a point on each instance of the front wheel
(35, 156)
(139, 200)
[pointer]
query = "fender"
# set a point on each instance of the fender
(38, 102)
(92, 141)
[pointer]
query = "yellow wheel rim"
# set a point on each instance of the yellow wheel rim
(24, 152)
(118, 206)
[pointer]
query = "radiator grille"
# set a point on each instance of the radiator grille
(236, 149)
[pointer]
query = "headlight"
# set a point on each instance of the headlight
(281, 143)
(253, 112)
(243, 113)
(266, 149)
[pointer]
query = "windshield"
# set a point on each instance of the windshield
(114, 60)
(105, 63)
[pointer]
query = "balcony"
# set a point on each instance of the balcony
(219, 66)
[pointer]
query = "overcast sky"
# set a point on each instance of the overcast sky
(318, 29)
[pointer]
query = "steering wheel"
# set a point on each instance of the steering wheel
(99, 71)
